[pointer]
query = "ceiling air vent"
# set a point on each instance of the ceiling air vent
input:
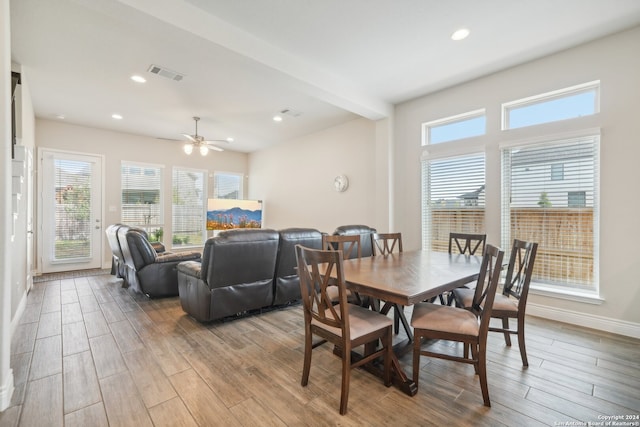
(165, 72)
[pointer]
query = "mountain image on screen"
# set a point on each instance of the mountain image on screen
(236, 217)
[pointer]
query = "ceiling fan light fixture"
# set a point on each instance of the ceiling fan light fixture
(188, 148)
(204, 150)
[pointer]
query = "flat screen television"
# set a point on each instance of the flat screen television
(226, 214)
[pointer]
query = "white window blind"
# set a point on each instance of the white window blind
(188, 207)
(142, 197)
(453, 199)
(227, 185)
(560, 215)
(73, 209)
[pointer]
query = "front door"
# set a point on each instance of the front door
(70, 211)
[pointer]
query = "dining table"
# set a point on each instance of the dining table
(403, 279)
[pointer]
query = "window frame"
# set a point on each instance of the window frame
(567, 92)
(427, 212)
(458, 118)
(581, 293)
(203, 223)
(215, 188)
(155, 228)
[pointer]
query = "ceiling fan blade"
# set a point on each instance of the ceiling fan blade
(214, 147)
(191, 138)
(215, 141)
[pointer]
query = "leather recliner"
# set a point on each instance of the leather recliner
(235, 274)
(146, 271)
(287, 281)
(365, 233)
(118, 265)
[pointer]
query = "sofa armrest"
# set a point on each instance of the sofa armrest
(190, 268)
(158, 247)
(178, 257)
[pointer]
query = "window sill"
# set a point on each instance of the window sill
(587, 297)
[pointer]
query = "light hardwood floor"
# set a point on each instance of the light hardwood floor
(89, 353)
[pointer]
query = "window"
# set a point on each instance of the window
(227, 185)
(562, 216)
(188, 208)
(142, 198)
(557, 172)
(575, 101)
(453, 199)
(456, 127)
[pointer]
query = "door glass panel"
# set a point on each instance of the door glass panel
(72, 209)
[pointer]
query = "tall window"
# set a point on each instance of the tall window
(142, 198)
(453, 199)
(561, 215)
(452, 128)
(188, 207)
(227, 185)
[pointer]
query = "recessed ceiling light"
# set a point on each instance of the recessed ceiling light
(277, 118)
(138, 79)
(460, 34)
(229, 139)
(60, 116)
(116, 116)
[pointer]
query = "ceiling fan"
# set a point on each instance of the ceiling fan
(198, 141)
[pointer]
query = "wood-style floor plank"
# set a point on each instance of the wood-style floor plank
(89, 353)
(81, 388)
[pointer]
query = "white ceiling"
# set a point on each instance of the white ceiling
(246, 60)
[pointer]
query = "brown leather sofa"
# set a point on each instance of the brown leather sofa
(243, 270)
(146, 271)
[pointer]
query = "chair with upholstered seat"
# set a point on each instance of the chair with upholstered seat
(345, 325)
(349, 245)
(467, 243)
(512, 303)
(464, 244)
(441, 322)
(385, 244)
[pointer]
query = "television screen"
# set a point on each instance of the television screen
(225, 214)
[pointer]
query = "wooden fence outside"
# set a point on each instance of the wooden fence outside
(565, 238)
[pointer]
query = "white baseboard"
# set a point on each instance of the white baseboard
(6, 391)
(601, 323)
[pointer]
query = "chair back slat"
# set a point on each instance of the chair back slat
(385, 243)
(489, 273)
(349, 245)
(520, 269)
(467, 243)
(487, 280)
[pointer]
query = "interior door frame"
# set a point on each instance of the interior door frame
(42, 151)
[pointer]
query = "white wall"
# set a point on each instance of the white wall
(295, 179)
(6, 375)
(614, 61)
(116, 147)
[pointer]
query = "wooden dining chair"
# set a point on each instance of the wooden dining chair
(434, 321)
(512, 302)
(349, 245)
(463, 244)
(385, 244)
(345, 325)
(467, 243)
